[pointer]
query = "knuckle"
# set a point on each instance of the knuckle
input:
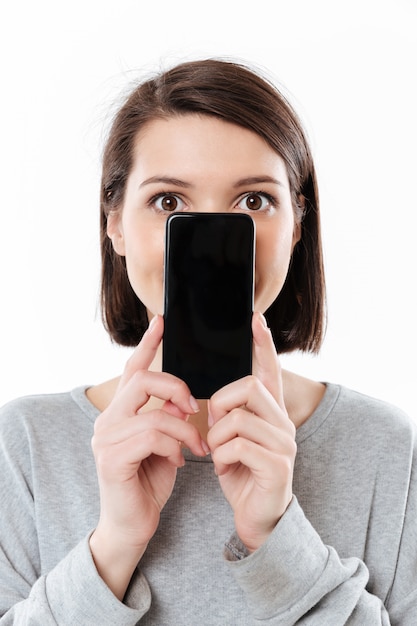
(285, 467)
(137, 377)
(99, 422)
(252, 383)
(104, 459)
(97, 443)
(293, 448)
(130, 367)
(292, 429)
(153, 417)
(239, 446)
(179, 387)
(235, 417)
(151, 437)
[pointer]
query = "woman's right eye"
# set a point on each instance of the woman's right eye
(167, 202)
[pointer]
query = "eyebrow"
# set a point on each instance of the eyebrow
(256, 180)
(167, 180)
(242, 182)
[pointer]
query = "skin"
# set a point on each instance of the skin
(196, 163)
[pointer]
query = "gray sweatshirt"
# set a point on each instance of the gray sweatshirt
(345, 552)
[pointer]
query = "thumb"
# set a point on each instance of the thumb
(266, 365)
(145, 351)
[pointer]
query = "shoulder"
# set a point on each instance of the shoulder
(372, 422)
(352, 423)
(44, 411)
(356, 405)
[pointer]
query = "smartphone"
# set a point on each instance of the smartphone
(208, 299)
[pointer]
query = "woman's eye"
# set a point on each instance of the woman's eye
(168, 202)
(255, 202)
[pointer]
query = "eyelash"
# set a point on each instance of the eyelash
(272, 201)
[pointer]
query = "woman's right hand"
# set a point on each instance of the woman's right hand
(137, 453)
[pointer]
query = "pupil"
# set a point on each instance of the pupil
(254, 202)
(169, 203)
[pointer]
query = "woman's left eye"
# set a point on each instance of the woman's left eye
(256, 201)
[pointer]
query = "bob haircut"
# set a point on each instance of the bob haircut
(234, 93)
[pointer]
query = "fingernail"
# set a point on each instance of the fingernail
(205, 447)
(152, 323)
(210, 420)
(194, 404)
(263, 320)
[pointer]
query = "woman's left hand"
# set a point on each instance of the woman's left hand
(252, 441)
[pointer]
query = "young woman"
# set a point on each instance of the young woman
(280, 500)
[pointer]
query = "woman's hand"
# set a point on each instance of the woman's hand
(137, 453)
(252, 441)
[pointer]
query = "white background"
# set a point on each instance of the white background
(350, 70)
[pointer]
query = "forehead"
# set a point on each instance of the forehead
(191, 142)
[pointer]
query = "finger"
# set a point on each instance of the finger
(240, 451)
(142, 385)
(250, 393)
(266, 365)
(119, 461)
(246, 425)
(172, 409)
(152, 422)
(144, 353)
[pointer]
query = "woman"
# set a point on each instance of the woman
(281, 499)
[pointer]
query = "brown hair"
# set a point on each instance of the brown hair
(234, 93)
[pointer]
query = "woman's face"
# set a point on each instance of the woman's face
(201, 163)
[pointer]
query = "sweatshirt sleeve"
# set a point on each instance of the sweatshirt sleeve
(72, 592)
(294, 578)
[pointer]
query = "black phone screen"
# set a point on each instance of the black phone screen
(208, 299)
